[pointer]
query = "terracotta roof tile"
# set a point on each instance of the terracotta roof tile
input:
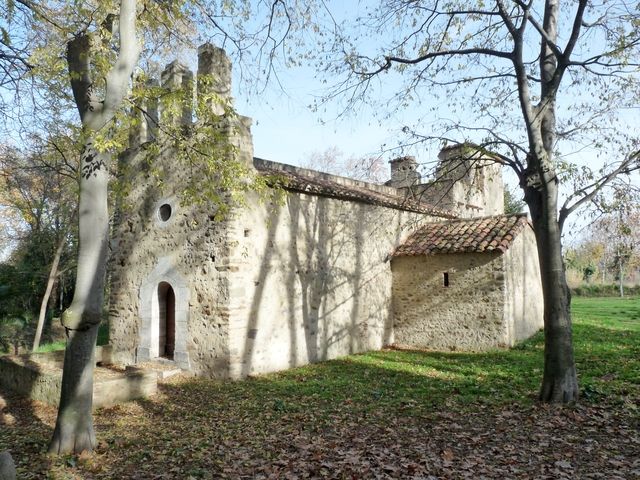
(317, 183)
(486, 234)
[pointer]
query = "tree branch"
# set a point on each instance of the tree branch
(38, 10)
(506, 19)
(575, 31)
(390, 60)
(79, 72)
(118, 77)
(588, 192)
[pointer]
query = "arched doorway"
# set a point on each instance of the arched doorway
(164, 289)
(166, 320)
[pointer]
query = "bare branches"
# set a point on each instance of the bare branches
(575, 32)
(507, 19)
(389, 60)
(14, 61)
(218, 27)
(597, 60)
(589, 192)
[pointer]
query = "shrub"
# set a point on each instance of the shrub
(610, 290)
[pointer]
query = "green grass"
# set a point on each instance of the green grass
(399, 378)
(51, 347)
(607, 290)
(317, 412)
(607, 350)
(607, 345)
(103, 339)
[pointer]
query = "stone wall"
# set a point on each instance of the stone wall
(467, 182)
(189, 251)
(467, 314)
(316, 282)
(275, 285)
(158, 240)
(39, 377)
(523, 295)
(492, 299)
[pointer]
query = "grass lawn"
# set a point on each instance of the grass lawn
(607, 345)
(103, 339)
(387, 414)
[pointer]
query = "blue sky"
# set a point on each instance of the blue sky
(285, 130)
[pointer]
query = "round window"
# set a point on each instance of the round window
(164, 212)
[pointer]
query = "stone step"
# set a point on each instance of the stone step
(163, 370)
(39, 377)
(164, 374)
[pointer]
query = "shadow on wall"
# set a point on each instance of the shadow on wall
(525, 293)
(183, 246)
(260, 282)
(323, 282)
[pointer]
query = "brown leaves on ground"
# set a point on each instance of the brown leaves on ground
(206, 429)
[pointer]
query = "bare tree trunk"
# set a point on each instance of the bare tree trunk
(7, 466)
(620, 275)
(559, 382)
(621, 285)
(47, 293)
(74, 425)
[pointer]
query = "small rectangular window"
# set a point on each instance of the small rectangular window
(445, 279)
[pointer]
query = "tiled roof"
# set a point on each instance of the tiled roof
(486, 234)
(317, 183)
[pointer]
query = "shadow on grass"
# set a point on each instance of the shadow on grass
(212, 429)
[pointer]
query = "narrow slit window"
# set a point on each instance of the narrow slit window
(445, 279)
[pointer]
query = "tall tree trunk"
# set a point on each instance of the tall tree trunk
(559, 382)
(74, 425)
(620, 274)
(53, 272)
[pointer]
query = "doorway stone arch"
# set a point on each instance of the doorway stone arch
(154, 300)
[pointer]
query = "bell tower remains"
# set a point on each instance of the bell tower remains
(467, 181)
(404, 172)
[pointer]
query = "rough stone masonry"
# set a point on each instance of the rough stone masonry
(273, 285)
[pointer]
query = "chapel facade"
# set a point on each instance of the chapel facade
(336, 267)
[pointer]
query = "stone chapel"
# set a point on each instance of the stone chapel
(339, 267)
